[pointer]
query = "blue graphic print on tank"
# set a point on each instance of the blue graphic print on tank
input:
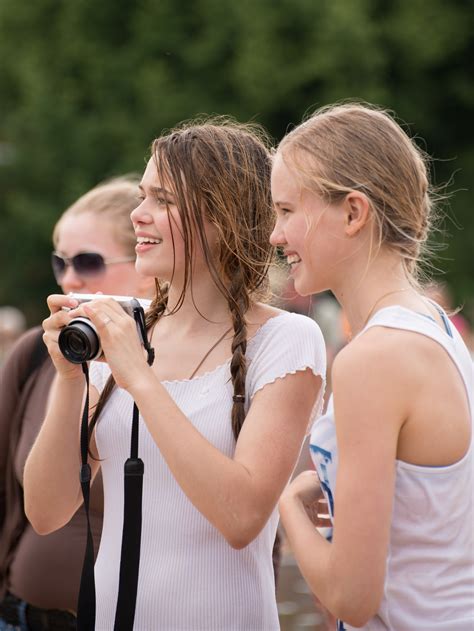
(325, 458)
(325, 461)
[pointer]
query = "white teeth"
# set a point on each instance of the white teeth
(293, 258)
(142, 240)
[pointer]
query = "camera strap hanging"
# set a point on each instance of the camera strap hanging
(86, 601)
(132, 519)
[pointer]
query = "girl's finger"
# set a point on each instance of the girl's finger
(56, 302)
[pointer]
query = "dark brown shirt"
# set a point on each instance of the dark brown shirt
(44, 570)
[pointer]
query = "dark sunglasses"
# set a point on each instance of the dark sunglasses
(84, 263)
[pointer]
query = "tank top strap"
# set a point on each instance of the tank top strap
(447, 324)
(398, 317)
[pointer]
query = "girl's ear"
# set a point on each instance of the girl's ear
(356, 213)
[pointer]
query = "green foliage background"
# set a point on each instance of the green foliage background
(85, 86)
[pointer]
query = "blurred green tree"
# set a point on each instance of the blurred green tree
(86, 86)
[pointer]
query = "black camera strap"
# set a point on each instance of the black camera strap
(131, 535)
(132, 521)
(86, 601)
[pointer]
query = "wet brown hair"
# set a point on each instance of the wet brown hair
(358, 146)
(219, 172)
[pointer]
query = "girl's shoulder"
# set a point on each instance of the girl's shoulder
(285, 343)
(269, 321)
(283, 335)
(388, 355)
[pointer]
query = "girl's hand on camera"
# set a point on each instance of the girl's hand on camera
(120, 341)
(52, 326)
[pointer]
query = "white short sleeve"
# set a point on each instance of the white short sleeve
(287, 344)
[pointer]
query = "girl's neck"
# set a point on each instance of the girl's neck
(203, 306)
(381, 286)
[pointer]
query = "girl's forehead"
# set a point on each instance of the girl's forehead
(86, 232)
(155, 177)
(285, 167)
(284, 180)
(151, 172)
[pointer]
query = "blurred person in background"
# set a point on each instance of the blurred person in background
(39, 575)
(394, 452)
(12, 325)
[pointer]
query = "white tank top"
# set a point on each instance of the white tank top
(190, 578)
(429, 579)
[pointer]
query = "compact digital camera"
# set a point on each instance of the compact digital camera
(79, 341)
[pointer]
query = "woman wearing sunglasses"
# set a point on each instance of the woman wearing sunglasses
(224, 407)
(94, 251)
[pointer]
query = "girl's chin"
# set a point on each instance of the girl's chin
(150, 271)
(302, 287)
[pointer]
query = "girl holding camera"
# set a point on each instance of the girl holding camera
(394, 452)
(224, 408)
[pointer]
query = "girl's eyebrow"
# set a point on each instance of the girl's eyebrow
(156, 190)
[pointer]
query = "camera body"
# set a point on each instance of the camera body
(79, 341)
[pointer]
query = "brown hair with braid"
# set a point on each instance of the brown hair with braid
(219, 173)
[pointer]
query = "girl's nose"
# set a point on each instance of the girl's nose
(139, 215)
(277, 237)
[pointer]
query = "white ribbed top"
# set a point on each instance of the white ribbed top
(190, 578)
(429, 580)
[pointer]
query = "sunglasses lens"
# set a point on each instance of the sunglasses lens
(59, 265)
(88, 263)
(84, 264)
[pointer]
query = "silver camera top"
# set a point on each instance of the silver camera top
(126, 302)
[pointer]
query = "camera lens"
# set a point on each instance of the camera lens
(79, 342)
